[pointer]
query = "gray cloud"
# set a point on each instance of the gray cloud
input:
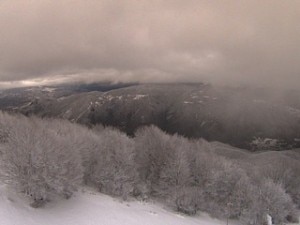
(227, 42)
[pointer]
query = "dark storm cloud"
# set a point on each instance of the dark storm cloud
(228, 42)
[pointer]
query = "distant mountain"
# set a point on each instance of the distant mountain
(12, 99)
(243, 117)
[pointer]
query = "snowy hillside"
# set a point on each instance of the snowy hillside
(90, 208)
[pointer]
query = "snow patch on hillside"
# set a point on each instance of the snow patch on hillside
(48, 89)
(293, 111)
(137, 97)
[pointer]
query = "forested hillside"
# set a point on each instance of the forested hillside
(254, 119)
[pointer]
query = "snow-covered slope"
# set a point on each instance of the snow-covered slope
(90, 208)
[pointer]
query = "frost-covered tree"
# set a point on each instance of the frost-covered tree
(175, 176)
(175, 171)
(201, 160)
(7, 123)
(86, 141)
(188, 199)
(284, 171)
(195, 160)
(221, 188)
(152, 148)
(114, 171)
(38, 162)
(270, 199)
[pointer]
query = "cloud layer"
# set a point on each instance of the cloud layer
(228, 42)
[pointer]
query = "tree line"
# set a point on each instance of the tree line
(47, 159)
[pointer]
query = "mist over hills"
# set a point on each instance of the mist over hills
(250, 118)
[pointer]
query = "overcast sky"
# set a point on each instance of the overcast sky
(226, 42)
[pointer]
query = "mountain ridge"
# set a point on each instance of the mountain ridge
(242, 117)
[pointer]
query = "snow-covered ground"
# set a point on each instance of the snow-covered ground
(91, 208)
